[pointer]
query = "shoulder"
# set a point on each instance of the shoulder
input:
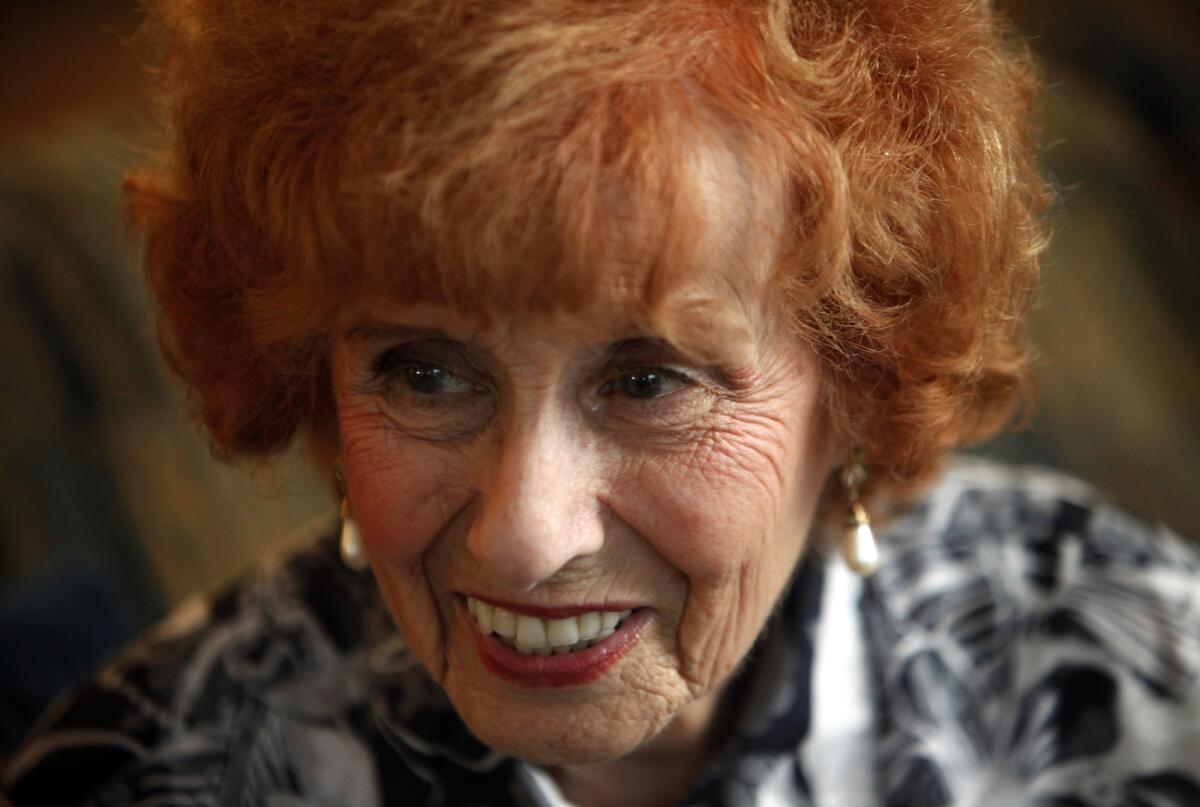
(1033, 532)
(226, 695)
(290, 686)
(1036, 538)
(1029, 634)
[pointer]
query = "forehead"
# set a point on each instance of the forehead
(720, 334)
(686, 253)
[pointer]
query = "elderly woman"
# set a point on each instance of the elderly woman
(617, 324)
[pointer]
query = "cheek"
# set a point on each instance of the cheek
(403, 491)
(732, 515)
(739, 496)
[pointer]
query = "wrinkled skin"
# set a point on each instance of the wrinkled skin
(538, 461)
(588, 459)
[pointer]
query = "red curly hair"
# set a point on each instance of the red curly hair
(487, 155)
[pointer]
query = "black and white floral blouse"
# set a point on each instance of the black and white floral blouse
(1024, 643)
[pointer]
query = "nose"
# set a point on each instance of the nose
(538, 507)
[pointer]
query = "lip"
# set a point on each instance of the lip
(572, 669)
(552, 612)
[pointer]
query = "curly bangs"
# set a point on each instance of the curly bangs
(527, 155)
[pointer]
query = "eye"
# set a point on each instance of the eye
(431, 390)
(424, 375)
(645, 383)
(430, 379)
(652, 397)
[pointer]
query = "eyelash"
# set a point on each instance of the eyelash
(388, 364)
(390, 374)
(394, 365)
(395, 361)
(609, 387)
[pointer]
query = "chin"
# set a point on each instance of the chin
(588, 723)
(572, 746)
(561, 731)
(540, 752)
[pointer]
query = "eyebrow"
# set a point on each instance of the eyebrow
(641, 342)
(380, 331)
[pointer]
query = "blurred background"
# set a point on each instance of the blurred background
(112, 511)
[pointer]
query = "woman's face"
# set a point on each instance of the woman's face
(532, 476)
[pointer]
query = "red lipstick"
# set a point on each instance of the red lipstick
(579, 667)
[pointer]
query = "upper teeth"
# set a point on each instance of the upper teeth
(530, 634)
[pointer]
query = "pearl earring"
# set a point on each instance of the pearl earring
(350, 547)
(859, 547)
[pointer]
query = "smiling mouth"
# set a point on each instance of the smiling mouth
(532, 635)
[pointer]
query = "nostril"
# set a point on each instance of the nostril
(535, 510)
(521, 549)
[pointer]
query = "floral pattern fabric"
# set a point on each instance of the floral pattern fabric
(1023, 643)
(1035, 645)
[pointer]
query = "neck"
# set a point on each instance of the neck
(662, 770)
